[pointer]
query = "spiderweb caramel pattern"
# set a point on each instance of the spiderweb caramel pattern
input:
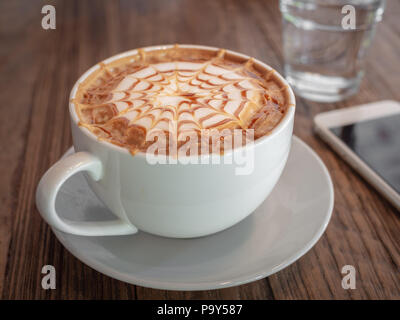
(179, 92)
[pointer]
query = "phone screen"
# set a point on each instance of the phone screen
(377, 142)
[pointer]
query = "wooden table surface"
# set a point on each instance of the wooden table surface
(37, 70)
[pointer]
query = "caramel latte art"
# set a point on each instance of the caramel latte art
(180, 97)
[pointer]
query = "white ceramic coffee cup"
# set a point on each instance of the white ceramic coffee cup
(172, 200)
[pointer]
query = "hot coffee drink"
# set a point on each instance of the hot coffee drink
(180, 96)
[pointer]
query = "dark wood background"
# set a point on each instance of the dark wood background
(37, 70)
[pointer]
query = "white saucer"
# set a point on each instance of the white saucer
(279, 232)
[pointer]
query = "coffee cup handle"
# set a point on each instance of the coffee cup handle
(50, 184)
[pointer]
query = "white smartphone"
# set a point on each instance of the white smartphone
(368, 138)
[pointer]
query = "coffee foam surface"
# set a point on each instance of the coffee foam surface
(180, 92)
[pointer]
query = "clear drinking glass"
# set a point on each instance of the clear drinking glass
(325, 42)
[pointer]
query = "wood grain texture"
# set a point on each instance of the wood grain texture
(37, 70)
